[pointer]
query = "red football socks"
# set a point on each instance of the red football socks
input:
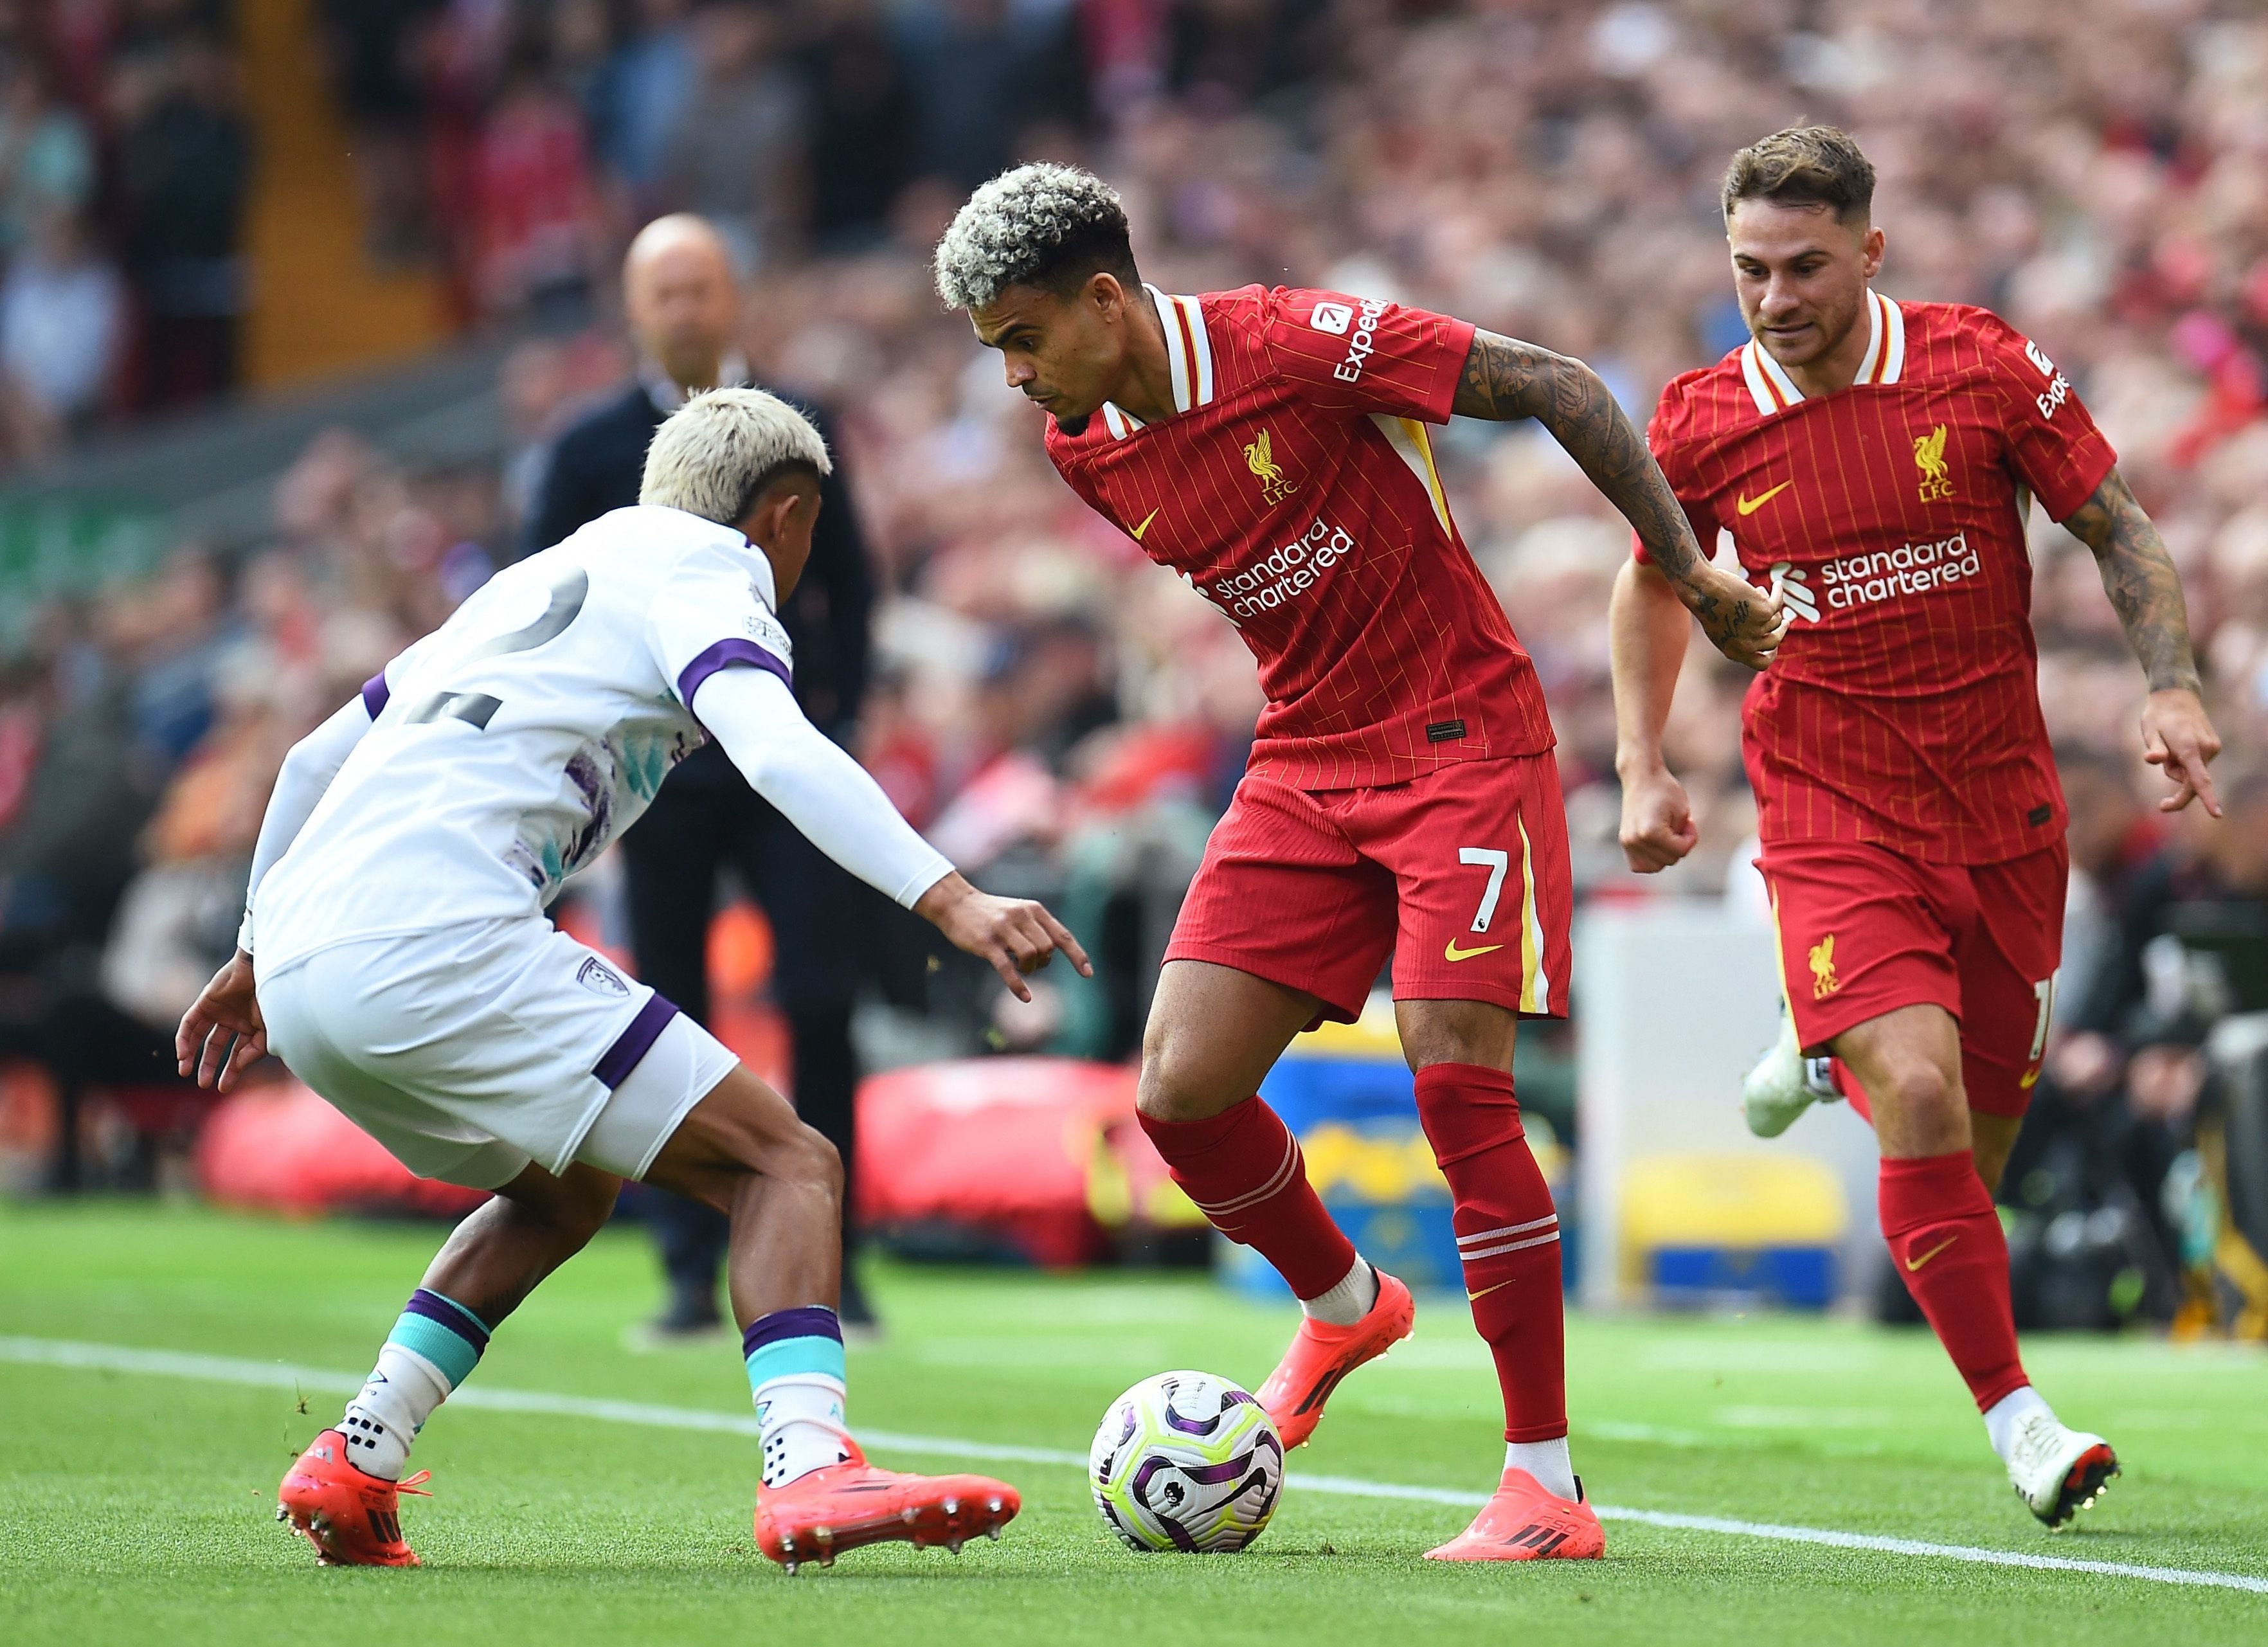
(1508, 1235)
(1244, 1169)
(1946, 1242)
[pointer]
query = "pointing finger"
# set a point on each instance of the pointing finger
(1066, 943)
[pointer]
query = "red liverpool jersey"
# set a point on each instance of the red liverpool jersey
(1294, 489)
(1904, 707)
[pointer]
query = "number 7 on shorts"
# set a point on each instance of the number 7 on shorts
(1498, 862)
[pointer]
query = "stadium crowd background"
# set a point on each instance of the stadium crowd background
(1055, 711)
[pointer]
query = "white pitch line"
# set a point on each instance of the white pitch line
(282, 1375)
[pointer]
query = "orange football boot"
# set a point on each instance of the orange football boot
(353, 1518)
(1321, 1355)
(1524, 1523)
(819, 1515)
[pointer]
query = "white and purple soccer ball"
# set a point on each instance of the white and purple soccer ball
(1185, 1461)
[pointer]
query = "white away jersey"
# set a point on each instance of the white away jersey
(509, 746)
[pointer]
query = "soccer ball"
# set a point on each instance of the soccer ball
(1185, 1461)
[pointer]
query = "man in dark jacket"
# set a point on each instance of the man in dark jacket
(684, 309)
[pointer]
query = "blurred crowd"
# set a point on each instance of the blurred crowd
(125, 166)
(1050, 707)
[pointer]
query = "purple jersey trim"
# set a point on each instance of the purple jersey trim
(448, 1313)
(807, 1321)
(375, 692)
(636, 1040)
(733, 650)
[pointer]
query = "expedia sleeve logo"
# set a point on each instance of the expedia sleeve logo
(2051, 398)
(1333, 318)
(1362, 343)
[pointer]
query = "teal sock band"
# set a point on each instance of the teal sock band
(788, 1358)
(444, 1332)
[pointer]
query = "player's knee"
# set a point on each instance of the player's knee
(1174, 1083)
(1922, 1093)
(1455, 1032)
(808, 1158)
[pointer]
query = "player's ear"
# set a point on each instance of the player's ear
(1870, 251)
(769, 515)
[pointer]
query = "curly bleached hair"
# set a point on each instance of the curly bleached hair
(1040, 225)
(720, 451)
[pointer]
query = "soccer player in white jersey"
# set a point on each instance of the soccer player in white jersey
(407, 972)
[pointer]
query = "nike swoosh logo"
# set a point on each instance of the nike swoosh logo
(1453, 954)
(1915, 1263)
(1745, 504)
(2030, 1079)
(1471, 1296)
(1145, 526)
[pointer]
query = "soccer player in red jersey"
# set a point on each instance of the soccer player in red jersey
(1271, 448)
(1873, 462)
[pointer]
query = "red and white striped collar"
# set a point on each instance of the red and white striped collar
(1188, 356)
(1774, 391)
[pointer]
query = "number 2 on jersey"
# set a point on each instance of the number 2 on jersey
(477, 709)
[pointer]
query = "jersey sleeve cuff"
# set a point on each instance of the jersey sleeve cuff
(2101, 461)
(1457, 345)
(922, 878)
(731, 650)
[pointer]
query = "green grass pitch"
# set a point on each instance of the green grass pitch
(136, 1507)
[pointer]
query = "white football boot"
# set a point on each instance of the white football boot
(1785, 1084)
(2058, 1472)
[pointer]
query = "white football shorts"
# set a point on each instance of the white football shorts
(471, 1050)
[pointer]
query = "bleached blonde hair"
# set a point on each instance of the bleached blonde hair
(717, 454)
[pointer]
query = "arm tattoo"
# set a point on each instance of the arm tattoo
(2138, 577)
(1505, 379)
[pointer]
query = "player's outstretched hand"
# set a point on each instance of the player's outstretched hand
(1658, 827)
(2178, 736)
(1016, 935)
(1742, 620)
(221, 1034)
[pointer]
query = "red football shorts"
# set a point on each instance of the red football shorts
(1462, 875)
(1863, 931)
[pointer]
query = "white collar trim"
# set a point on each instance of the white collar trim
(1774, 391)
(1188, 361)
(1189, 349)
